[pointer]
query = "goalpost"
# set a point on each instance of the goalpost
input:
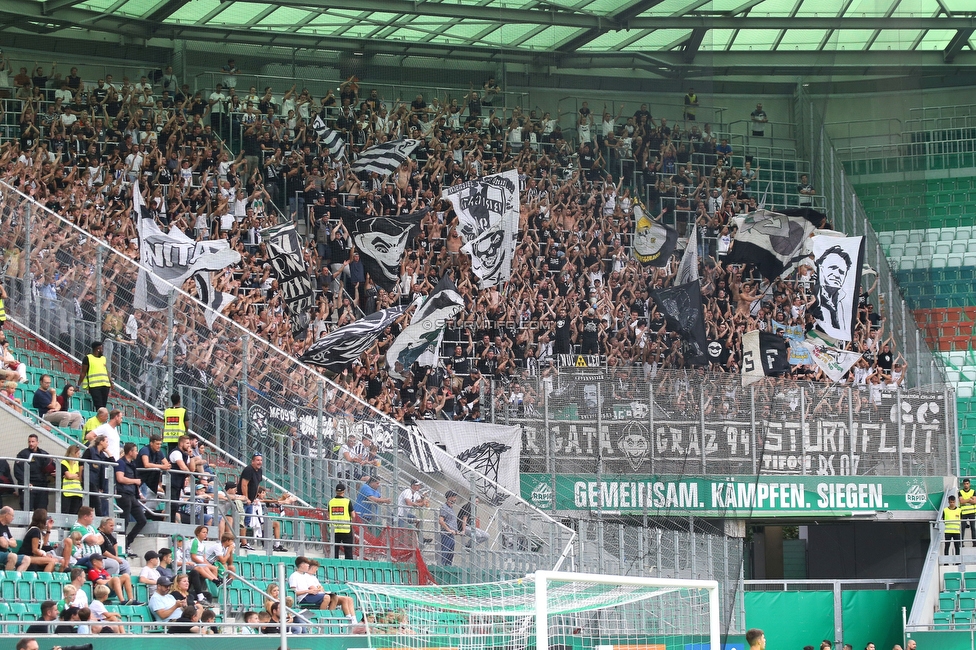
(547, 610)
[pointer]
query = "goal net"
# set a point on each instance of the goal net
(545, 610)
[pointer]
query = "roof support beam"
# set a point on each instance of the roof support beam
(694, 42)
(165, 10)
(50, 6)
(955, 45)
(621, 17)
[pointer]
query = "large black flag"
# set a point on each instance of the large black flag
(381, 241)
(288, 262)
(681, 306)
(337, 350)
(763, 355)
(773, 241)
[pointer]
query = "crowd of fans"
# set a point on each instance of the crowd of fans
(575, 286)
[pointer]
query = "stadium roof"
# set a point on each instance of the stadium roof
(670, 38)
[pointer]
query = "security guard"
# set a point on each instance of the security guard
(174, 423)
(3, 307)
(340, 512)
(94, 376)
(952, 517)
(967, 506)
(72, 494)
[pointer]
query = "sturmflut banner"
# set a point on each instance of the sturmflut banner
(631, 440)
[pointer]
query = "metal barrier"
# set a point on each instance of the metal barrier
(676, 422)
(243, 389)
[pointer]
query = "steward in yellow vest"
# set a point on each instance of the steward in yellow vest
(952, 517)
(174, 422)
(967, 506)
(94, 376)
(340, 512)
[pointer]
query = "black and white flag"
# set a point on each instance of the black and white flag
(216, 301)
(331, 138)
(834, 362)
(381, 241)
(688, 266)
(493, 450)
(654, 242)
(763, 355)
(288, 261)
(488, 215)
(838, 261)
(442, 305)
(171, 258)
(337, 350)
(681, 306)
(773, 241)
(384, 158)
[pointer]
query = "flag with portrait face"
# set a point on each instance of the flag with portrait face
(838, 262)
(654, 242)
(381, 241)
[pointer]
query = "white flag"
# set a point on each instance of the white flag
(835, 363)
(688, 267)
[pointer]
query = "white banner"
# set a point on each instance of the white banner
(492, 449)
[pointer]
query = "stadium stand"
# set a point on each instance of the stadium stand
(225, 174)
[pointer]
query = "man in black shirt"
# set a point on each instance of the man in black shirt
(127, 483)
(247, 487)
(36, 472)
(9, 559)
(49, 614)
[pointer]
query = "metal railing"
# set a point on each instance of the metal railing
(693, 422)
(269, 399)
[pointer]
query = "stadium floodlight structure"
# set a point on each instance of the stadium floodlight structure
(547, 610)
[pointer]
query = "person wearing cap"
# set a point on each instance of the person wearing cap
(340, 512)
(95, 377)
(410, 498)
(98, 575)
(175, 420)
(163, 605)
(230, 506)
(447, 523)
(149, 575)
(368, 499)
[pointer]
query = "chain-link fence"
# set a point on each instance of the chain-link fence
(690, 422)
(242, 393)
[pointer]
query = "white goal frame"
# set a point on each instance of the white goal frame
(542, 587)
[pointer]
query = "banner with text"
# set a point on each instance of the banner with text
(735, 496)
(902, 435)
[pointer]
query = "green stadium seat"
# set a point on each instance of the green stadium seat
(962, 620)
(943, 620)
(967, 601)
(947, 601)
(952, 581)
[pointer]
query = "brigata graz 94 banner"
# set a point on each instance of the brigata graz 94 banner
(906, 436)
(735, 496)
